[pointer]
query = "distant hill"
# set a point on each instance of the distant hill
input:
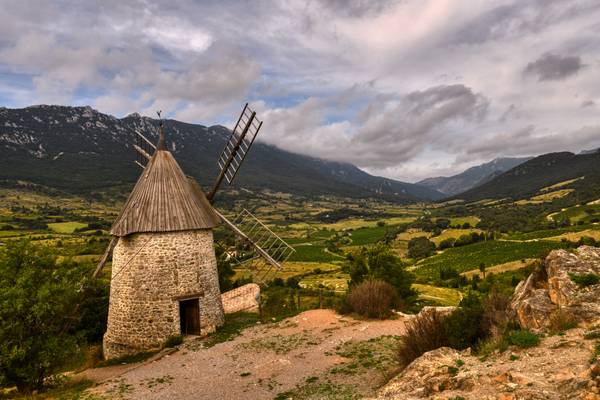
(473, 176)
(527, 179)
(80, 150)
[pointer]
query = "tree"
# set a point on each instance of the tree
(42, 302)
(379, 262)
(482, 269)
(420, 247)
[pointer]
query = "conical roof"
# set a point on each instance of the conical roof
(164, 200)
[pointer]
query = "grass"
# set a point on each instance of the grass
(66, 389)
(320, 391)
(129, 359)
(66, 227)
(281, 344)
(234, 325)
(377, 353)
(438, 295)
(560, 184)
(467, 258)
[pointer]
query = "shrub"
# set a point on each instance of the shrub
(463, 326)
(373, 299)
(585, 280)
(425, 332)
(447, 243)
(523, 338)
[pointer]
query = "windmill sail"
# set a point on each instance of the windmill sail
(144, 148)
(235, 150)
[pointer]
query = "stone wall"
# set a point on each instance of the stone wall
(243, 298)
(151, 272)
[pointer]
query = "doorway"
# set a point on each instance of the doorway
(189, 316)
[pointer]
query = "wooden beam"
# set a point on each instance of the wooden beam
(107, 253)
(241, 234)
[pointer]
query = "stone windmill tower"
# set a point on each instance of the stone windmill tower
(164, 279)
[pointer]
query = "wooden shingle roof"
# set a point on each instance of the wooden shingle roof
(164, 200)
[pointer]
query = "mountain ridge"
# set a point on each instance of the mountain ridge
(79, 149)
(473, 176)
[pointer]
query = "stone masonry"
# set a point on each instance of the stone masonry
(151, 273)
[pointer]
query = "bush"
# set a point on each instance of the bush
(373, 299)
(585, 280)
(425, 332)
(523, 339)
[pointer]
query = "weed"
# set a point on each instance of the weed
(585, 280)
(452, 370)
(513, 357)
(243, 374)
(459, 363)
(523, 339)
(173, 341)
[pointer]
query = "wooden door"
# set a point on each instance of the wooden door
(189, 314)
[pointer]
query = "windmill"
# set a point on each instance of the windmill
(164, 278)
(246, 226)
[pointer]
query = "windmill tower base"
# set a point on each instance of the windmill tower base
(163, 284)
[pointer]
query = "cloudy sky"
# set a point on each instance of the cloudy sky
(404, 89)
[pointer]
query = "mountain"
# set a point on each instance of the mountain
(80, 150)
(526, 180)
(473, 176)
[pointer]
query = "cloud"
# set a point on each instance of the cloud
(387, 131)
(551, 67)
(402, 88)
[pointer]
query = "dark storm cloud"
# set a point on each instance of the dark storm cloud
(551, 67)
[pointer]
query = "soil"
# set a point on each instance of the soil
(260, 363)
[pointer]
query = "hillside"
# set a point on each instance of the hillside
(473, 176)
(541, 172)
(80, 150)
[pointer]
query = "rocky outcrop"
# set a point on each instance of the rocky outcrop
(550, 289)
(558, 369)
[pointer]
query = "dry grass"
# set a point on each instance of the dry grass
(424, 333)
(373, 299)
(496, 269)
(439, 295)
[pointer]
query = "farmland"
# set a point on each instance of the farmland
(323, 233)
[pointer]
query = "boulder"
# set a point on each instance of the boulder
(550, 288)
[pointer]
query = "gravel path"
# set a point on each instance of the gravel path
(261, 362)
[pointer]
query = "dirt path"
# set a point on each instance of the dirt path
(260, 363)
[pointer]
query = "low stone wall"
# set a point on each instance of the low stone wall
(244, 298)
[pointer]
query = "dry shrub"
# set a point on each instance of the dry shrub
(561, 320)
(495, 314)
(425, 332)
(373, 299)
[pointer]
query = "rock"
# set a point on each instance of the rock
(550, 288)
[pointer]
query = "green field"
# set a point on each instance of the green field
(66, 227)
(490, 253)
(313, 253)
